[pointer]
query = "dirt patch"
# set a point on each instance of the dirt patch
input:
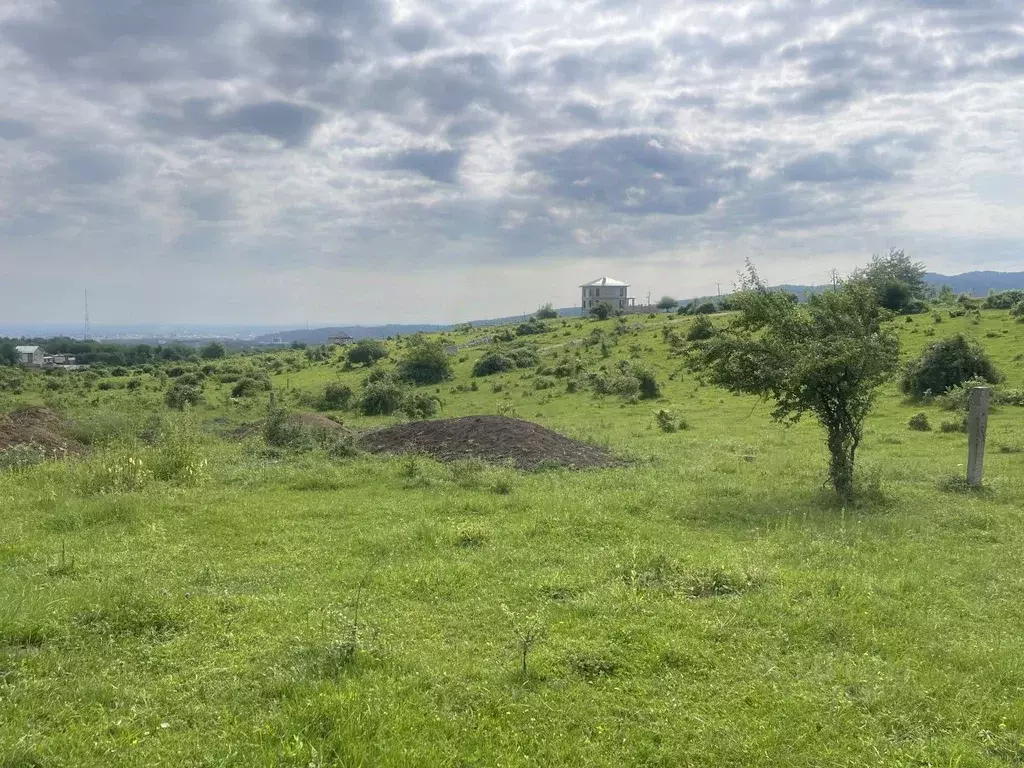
(35, 425)
(491, 438)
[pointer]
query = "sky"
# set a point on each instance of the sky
(342, 161)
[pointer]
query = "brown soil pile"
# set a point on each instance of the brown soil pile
(37, 426)
(491, 438)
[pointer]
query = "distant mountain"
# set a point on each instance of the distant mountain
(979, 283)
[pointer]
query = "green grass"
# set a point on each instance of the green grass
(709, 604)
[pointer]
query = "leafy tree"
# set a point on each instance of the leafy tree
(947, 364)
(335, 397)
(367, 352)
(896, 279)
(826, 357)
(7, 354)
(547, 312)
(602, 311)
(707, 308)
(667, 303)
(493, 362)
(213, 351)
(946, 295)
(381, 397)
(426, 362)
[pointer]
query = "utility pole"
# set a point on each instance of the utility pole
(88, 326)
(719, 286)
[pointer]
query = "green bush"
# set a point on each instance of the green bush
(1004, 300)
(335, 397)
(920, 423)
(249, 387)
(547, 312)
(419, 405)
(524, 357)
(367, 352)
(1017, 310)
(491, 363)
(381, 397)
(281, 432)
(701, 329)
(181, 395)
(707, 308)
(532, 327)
(426, 362)
(668, 422)
(947, 364)
(954, 426)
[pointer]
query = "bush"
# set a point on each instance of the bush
(1017, 310)
(181, 395)
(947, 364)
(547, 312)
(249, 387)
(491, 363)
(426, 363)
(950, 427)
(524, 357)
(532, 327)
(418, 405)
(649, 387)
(367, 352)
(920, 423)
(958, 398)
(280, 432)
(667, 421)
(381, 397)
(707, 308)
(335, 397)
(602, 311)
(1004, 300)
(701, 329)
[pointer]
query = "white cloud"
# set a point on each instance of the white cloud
(229, 160)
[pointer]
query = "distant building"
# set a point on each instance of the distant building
(34, 356)
(605, 289)
(341, 338)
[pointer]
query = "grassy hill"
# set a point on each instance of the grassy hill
(185, 594)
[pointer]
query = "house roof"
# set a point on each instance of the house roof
(27, 350)
(605, 281)
(339, 335)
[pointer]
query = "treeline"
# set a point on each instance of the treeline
(107, 353)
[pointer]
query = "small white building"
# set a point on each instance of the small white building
(34, 356)
(605, 289)
(341, 339)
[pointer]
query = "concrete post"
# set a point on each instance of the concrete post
(977, 427)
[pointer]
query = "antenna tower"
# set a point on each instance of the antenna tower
(88, 326)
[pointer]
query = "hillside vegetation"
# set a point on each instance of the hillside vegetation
(213, 573)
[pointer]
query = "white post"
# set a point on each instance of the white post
(977, 427)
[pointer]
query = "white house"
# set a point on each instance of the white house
(30, 356)
(605, 289)
(341, 339)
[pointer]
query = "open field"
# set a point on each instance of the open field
(197, 598)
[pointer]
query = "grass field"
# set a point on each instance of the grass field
(211, 602)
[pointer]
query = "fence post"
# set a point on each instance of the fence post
(977, 427)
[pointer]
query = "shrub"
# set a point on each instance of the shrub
(1017, 310)
(381, 397)
(179, 456)
(547, 312)
(524, 357)
(418, 405)
(21, 456)
(335, 397)
(947, 364)
(367, 352)
(280, 432)
(602, 311)
(701, 329)
(491, 363)
(649, 387)
(249, 387)
(952, 426)
(707, 308)
(532, 327)
(426, 362)
(667, 421)
(920, 423)
(181, 395)
(191, 379)
(1004, 299)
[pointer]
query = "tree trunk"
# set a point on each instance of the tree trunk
(842, 450)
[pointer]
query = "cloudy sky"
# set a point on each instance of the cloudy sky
(335, 161)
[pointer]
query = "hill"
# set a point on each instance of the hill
(200, 589)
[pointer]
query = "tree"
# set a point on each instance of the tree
(946, 295)
(896, 279)
(667, 303)
(547, 312)
(367, 352)
(7, 354)
(602, 311)
(826, 357)
(213, 351)
(426, 362)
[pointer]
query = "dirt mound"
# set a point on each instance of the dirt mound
(314, 422)
(34, 425)
(491, 438)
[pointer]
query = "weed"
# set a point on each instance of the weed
(64, 565)
(920, 423)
